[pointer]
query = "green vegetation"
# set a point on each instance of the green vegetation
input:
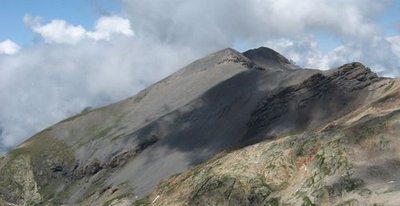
(383, 143)
(102, 133)
(142, 202)
(118, 198)
(17, 152)
(26, 168)
(351, 202)
(307, 202)
(273, 202)
(388, 87)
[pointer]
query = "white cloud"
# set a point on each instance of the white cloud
(8, 47)
(304, 52)
(381, 54)
(60, 31)
(108, 25)
(395, 43)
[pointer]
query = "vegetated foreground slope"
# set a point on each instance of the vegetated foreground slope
(325, 137)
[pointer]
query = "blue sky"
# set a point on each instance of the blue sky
(390, 20)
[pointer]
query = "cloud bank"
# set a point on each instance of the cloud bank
(42, 85)
(75, 67)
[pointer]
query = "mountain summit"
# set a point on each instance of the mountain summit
(228, 129)
(268, 58)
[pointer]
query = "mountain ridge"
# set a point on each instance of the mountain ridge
(224, 101)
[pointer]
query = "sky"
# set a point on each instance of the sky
(58, 57)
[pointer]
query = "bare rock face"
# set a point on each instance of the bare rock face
(268, 58)
(354, 76)
(319, 99)
(118, 154)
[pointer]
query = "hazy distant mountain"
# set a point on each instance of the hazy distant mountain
(229, 129)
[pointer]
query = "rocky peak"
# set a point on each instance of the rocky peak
(230, 55)
(355, 69)
(305, 105)
(353, 76)
(267, 58)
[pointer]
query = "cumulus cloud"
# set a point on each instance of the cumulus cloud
(60, 31)
(121, 54)
(108, 25)
(8, 47)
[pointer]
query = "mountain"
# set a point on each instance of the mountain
(229, 129)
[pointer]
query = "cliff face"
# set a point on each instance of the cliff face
(317, 100)
(311, 132)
